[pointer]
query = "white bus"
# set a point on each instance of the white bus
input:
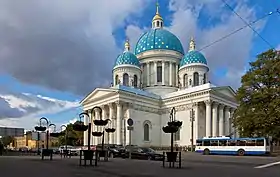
(232, 146)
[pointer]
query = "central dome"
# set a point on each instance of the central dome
(158, 39)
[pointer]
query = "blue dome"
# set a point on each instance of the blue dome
(193, 57)
(158, 39)
(127, 58)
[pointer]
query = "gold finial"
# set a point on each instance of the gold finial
(157, 5)
(126, 45)
(157, 16)
(192, 44)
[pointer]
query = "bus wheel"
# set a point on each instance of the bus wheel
(241, 152)
(206, 152)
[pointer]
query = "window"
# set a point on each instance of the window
(159, 74)
(135, 80)
(146, 132)
(214, 143)
(195, 79)
(241, 143)
(222, 142)
(185, 81)
(116, 80)
(260, 142)
(177, 135)
(198, 143)
(206, 143)
(231, 143)
(125, 79)
(204, 78)
(157, 23)
(250, 143)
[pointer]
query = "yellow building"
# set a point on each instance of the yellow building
(27, 142)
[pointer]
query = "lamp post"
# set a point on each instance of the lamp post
(65, 136)
(192, 129)
(49, 133)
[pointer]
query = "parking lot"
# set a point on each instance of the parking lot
(192, 165)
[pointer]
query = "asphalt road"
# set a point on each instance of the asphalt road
(193, 165)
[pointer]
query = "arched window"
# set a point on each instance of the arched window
(195, 79)
(157, 23)
(146, 132)
(185, 81)
(135, 80)
(204, 78)
(116, 80)
(125, 79)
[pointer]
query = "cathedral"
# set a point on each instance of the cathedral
(149, 81)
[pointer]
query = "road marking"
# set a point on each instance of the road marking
(268, 165)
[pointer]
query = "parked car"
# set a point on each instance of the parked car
(114, 150)
(71, 150)
(143, 153)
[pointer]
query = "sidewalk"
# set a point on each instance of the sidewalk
(125, 168)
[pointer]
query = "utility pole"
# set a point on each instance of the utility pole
(192, 129)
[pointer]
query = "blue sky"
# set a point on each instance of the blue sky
(81, 33)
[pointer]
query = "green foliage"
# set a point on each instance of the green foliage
(6, 140)
(74, 138)
(259, 97)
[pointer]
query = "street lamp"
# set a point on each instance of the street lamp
(172, 127)
(44, 128)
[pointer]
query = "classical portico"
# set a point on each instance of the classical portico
(212, 114)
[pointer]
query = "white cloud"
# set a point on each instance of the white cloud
(231, 53)
(62, 44)
(23, 110)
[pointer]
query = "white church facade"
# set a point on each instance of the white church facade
(150, 81)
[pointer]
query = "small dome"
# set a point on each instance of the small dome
(193, 57)
(158, 39)
(127, 58)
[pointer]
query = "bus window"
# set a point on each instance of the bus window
(214, 143)
(222, 142)
(250, 143)
(241, 143)
(231, 143)
(260, 142)
(206, 143)
(198, 142)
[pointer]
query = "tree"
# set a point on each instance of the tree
(6, 140)
(74, 138)
(258, 113)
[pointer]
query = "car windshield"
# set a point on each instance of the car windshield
(148, 150)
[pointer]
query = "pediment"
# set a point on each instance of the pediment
(98, 94)
(226, 91)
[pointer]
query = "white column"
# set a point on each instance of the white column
(86, 121)
(196, 122)
(111, 113)
(228, 129)
(119, 123)
(208, 117)
(236, 133)
(155, 72)
(221, 120)
(215, 119)
(170, 73)
(96, 128)
(176, 70)
(163, 72)
(148, 74)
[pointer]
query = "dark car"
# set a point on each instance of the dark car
(143, 153)
(114, 150)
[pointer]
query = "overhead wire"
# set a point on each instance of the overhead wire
(249, 25)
